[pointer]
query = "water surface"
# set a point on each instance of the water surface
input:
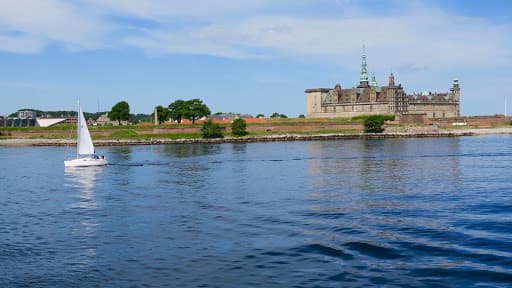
(351, 213)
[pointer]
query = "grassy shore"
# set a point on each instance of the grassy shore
(271, 130)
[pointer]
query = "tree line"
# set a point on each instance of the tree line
(182, 109)
(178, 110)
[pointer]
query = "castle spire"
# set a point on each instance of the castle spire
(363, 79)
(373, 83)
(391, 80)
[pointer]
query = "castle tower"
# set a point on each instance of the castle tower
(373, 83)
(455, 91)
(391, 80)
(455, 95)
(363, 79)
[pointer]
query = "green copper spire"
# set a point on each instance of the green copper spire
(373, 83)
(364, 73)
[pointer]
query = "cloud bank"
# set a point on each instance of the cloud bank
(413, 34)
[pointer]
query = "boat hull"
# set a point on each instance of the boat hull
(85, 162)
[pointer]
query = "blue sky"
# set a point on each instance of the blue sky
(247, 56)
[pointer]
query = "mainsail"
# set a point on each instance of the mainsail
(84, 141)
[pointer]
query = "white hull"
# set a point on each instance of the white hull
(85, 162)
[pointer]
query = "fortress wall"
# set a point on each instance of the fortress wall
(350, 110)
(434, 110)
(314, 101)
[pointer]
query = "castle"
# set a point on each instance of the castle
(370, 98)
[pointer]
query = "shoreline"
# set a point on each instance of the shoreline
(271, 138)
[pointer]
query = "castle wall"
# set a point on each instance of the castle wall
(314, 99)
(435, 109)
(350, 110)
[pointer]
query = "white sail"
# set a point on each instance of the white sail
(84, 141)
(86, 155)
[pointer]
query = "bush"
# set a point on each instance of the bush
(373, 123)
(239, 127)
(211, 130)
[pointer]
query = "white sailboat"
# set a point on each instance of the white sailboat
(85, 154)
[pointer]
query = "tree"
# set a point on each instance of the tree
(196, 109)
(137, 118)
(120, 112)
(277, 115)
(177, 110)
(373, 124)
(302, 116)
(260, 116)
(162, 114)
(239, 127)
(211, 130)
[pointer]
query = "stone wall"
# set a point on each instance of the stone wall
(435, 109)
(349, 110)
(413, 118)
(487, 121)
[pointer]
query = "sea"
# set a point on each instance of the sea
(416, 212)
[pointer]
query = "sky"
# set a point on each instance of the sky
(247, 56)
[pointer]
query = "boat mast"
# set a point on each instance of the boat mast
(78, 112)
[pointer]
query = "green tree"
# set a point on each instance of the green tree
(239, 127)
(195, 109)
(211, 130)
(277, 115)
(162, 114)
(373, 124)
(120, 112)
(177, 110)
(302, 116)
(137, 118)
(260, 116)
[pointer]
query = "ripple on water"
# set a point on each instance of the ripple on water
(354, 213)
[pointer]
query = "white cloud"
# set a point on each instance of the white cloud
(47, 21)
(418, 35)
(161, 10)
(20, 43)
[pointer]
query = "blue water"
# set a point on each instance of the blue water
(353, 213)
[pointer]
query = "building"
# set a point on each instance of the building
(25, 114)
(105, 120)
(370, 98)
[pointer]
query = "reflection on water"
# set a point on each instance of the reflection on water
(353, 213)
(120, 154)
(190, 150)
(84, 178)
(383, 165)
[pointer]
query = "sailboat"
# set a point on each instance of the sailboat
(85, 154)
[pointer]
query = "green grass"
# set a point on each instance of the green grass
(172, 136)
(309, 132)
(130, 134)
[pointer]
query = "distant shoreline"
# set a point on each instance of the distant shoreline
(252, 139)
